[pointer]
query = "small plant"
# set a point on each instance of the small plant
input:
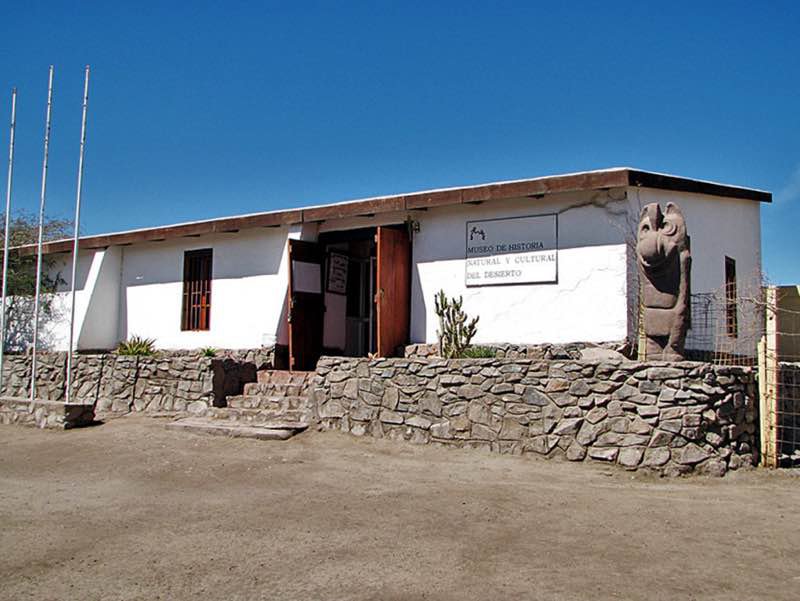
(208, 351)
(456, 330)
(137, 346)
(479, 352)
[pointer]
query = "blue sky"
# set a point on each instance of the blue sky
(210, 109)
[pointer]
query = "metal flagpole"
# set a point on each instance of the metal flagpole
(41, 233)
(77, 230)
(6, 231)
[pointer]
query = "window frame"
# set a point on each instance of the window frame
(731, 312)
(198, 271)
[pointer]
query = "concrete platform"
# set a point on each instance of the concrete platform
(44, 413)
(260, 431)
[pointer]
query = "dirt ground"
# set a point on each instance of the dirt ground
(129, 510)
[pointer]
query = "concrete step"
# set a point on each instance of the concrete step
(276, 403)
(277, 376)
(294, 419)
(273, 389)
(202, 425)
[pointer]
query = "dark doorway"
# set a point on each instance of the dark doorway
(350, 326)
(353, 295)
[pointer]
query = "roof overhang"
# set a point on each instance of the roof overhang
(533, 188)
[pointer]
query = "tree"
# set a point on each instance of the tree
(24, 229)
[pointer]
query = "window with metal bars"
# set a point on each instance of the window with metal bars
(196, 314)
(731, 319)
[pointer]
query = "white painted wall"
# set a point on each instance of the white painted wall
(54, 329)
(588, 303)
(100, 323)
(248, 291)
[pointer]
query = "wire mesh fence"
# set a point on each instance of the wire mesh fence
(779, 377)
(756, 326)
(725, 325)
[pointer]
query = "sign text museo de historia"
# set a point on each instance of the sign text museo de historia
(514, 250)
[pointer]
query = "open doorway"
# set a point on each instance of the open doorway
(350, 323)
(349, 294)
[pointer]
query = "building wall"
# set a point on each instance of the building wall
(137, 290)
(588, 303)
(788, 326)
(248, 291)
(54, 324)
(100, 324)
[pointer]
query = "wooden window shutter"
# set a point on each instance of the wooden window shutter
(196, 314)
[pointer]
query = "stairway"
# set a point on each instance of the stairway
(275, 407)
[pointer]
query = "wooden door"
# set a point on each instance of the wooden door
(393, 295)
(306, 304)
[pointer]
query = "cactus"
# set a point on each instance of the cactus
(456, 330)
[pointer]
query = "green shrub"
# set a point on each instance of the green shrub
(137, 346)
(208, 351)
(479, 352)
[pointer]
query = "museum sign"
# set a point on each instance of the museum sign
(515, 250)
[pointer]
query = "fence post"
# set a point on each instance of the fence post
(768, 374)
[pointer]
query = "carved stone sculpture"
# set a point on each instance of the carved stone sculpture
(665, 261)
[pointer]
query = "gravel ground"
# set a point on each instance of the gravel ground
(129, 510)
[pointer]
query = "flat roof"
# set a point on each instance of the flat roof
(537, 187)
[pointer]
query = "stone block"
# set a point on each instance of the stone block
(387, 416)
(479, 412)
(391, 398)
(712, 467)
(579, 388)
(619, 425)
(630, 457)
(418, 421)
(557, 385)
(364, 413)
(589, 432)
(597, 414)
(429, 402)
(575, 452)
(567, 426)
(689, 454)
(470, 391)
(656, 457)
(482, 432)
(532, 396)
(603, 454)
(664, 373)
(331, 409)
(511, 429)
(541, 444)
(441, 430)
(460, 423)
(647, 411)
(671, 425)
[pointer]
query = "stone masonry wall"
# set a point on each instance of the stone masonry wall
(669, 418)
(45, 414)
(166, 382)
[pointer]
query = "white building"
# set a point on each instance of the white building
(551, 260)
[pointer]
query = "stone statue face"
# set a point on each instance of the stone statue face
(662, 236)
